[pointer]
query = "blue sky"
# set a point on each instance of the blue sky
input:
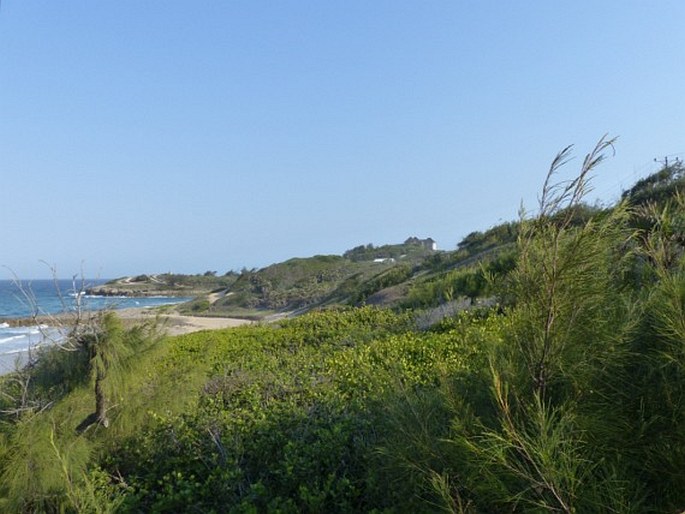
(153, 136)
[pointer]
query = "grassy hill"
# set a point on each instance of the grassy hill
(406, 275)
(568, 396)
(164, 284)
(305, 283)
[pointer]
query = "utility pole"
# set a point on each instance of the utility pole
(663, 162)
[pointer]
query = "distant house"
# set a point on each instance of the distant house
(385, 260)
(428, 244)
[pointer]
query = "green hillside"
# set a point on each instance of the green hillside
(165, 284)
(405, 275)
(565, 392)
(302, 284)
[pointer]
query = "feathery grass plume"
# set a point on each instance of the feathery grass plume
(654, 397)
(46, 469)
(566, 327)
(658, 394)
(85, 491)
(563, 280)
(414, 455)
(570, 322)
(32, 478)
(110, 348)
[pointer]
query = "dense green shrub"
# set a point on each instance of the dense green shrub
(282, 420)
(474, 281)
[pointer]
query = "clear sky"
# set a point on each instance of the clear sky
(142, 136)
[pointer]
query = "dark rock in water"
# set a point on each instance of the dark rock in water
(137, 292)
(102, 291)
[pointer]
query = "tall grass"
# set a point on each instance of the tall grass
(584, 412)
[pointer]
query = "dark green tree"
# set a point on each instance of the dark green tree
(109, 347)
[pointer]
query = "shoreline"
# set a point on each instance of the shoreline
(170, 323)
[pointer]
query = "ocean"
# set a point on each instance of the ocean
(46, 297)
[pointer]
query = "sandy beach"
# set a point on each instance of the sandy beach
(177, 324)
(173, 324)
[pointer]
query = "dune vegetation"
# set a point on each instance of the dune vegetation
(564, 392)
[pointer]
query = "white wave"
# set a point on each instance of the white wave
(11, 338)
(32, 330)
(104, 297)
(4, 325)
(19, 343)
(16, 331)
(19, 350)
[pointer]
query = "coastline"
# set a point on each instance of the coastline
(171, 324)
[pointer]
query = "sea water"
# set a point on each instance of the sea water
(24, 299)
